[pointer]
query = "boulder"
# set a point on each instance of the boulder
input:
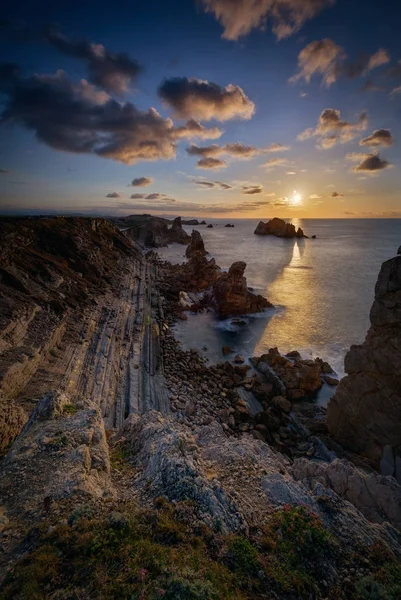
(196, 245)
(210, 226)
(229, 225)
(364, 415)
(279, 228)
(231, 295)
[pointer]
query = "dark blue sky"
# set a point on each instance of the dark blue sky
(181, 40)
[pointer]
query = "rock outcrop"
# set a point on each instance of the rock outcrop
(196, 245)
(279, 228)
(153, 232)
(231, 295)
(377, 497)
(292, 376)
(177, 234)
(364, 415)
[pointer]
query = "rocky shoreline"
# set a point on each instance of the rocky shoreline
(135, 423)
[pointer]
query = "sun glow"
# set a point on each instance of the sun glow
(296, 198)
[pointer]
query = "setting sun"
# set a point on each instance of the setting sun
(296, 198)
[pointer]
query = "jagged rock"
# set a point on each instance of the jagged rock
(299, 378)
(377, 497)
(279, 228)
(399, 250)
(229, 225)
(177, 234)
(364, 414)
(231, 295)
(154, 232)
(227, 350)
(58, 454)
(196, 245)
(210, 226)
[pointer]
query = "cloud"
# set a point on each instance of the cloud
(327, 59)
(211, 163)
(240, 17)
(115, 73)
(113, 195)
(252, 189)
(396, 90)
(224, 186)
(319, 58)
(155, 196)
(380, 137)
(142, 181)
(204, 100)
(315, 197)
(331, 129)
(274, 162)
(275, 147)
(291, 173)
(77, 117)
(337, 195)
(194, 129)
(365, 64)
(370, 86)
(4, 171)
(235, 150)
(214, 184)
(369, 163)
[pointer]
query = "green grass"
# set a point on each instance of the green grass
(165, 553)
(69, 409)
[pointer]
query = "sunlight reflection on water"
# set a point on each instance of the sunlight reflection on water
(322, 289)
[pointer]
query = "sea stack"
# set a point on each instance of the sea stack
(279, 228)
(196, 245)
(364, 415)
(231, 295)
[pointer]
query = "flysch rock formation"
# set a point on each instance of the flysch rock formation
(113, 376)
(364, 415)
(279, 228)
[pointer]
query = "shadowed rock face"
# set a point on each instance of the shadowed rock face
(196, 245)
(279, 228)
(365, 413)
(154, 232)
(231, 295)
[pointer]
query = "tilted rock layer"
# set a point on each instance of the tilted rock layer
(364, 415)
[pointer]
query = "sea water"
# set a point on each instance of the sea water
(322, 289)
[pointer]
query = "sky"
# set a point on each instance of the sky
(209, 108)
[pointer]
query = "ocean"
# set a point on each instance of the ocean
(322, 289)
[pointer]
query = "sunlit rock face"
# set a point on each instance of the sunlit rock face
(231, 295)
(279, 228)
(365, 412)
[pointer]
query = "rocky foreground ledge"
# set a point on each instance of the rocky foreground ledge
(132, 469)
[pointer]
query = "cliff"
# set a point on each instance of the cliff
(132, 468)
(153, 232)
(364, 415)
